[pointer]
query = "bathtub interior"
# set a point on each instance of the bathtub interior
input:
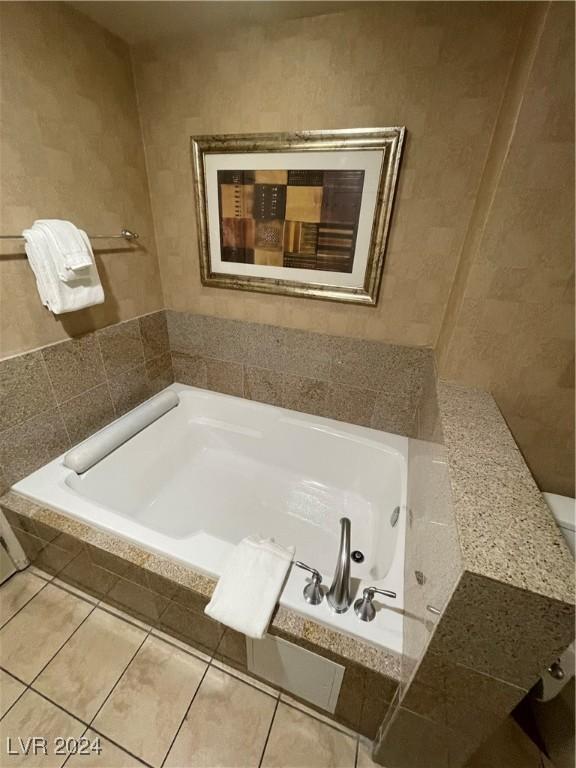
(217, 468)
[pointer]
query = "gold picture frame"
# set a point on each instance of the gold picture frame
(376, 150)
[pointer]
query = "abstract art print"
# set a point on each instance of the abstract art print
(298, 219)
(301, 214)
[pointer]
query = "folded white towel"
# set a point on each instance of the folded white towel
(84, 291)
(250, 585)
(69, 246)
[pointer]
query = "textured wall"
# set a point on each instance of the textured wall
(510, 329)
(438, 68)
(70, 148)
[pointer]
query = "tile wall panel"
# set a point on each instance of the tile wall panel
(362, 382)
(59, 395)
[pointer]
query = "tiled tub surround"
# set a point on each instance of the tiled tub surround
(504, 590)
(61, 394)
(172, 598)
(57, 396)
(369, 383)
(483, 548)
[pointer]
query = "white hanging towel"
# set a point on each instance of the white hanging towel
(56, 294)
(250, 585)
(69, 246)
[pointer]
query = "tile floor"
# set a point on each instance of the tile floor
(74, 668)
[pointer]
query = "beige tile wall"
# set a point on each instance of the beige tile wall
(358, 381)
(70, 148)
(510, 325)
(57, 396)
(438, 68)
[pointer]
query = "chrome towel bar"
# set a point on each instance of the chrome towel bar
(125, 234)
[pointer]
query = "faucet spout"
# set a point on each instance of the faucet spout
(339, 593)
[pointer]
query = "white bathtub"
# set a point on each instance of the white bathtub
(217, 468)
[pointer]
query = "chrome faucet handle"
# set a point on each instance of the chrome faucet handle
(312, 592)
(363, 607)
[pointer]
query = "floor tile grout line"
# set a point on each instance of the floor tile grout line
(335, 726)
(212, 662)
(56, 704)
(83, 722)
(5, 624)
(208, 665)
(188, 708)
(109, 609)
(65, 641)
(73, 633)
(22, 692)
(69, 589)
(150, 632)
(38, 572)
(89, 725)
(120, 746)
(70, 754)
(23, 682)
(178, 648)
(29, 687)
(127, 619)
(273, 718)
(240, 680)
(120, 676)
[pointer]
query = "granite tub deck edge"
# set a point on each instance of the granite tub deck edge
(505, 528)
(285, 622)
(510, 612)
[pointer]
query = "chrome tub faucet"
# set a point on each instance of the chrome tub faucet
(339, 593)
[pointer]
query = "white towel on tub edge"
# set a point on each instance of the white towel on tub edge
(250, 585)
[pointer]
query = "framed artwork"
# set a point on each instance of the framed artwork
(303, 214)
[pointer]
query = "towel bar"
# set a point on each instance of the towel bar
(126, 234)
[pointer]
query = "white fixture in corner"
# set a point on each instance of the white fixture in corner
(562, 671)
(564, 510)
